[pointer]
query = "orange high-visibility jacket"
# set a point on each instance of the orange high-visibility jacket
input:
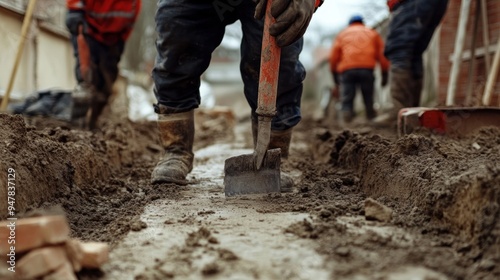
(110, 20)
(357, 46)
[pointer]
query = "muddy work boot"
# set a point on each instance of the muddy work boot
(279, 139)
(177, 134)
(405, 90)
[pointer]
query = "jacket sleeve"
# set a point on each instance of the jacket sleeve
(384, 63)
(138, 9)
(335, 55)
(75, 5)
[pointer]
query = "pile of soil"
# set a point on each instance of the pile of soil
(446, 191)
(101, 179)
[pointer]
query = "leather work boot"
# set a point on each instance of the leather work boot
(279, 139)
(177, 135)
(347, 117)
(405, 90)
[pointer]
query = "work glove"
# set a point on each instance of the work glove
(73, 20)
(385, 78)
(292, 18)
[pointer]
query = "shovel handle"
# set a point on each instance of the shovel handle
(269, 69)
(83, 55)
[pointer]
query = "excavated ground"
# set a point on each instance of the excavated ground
(444, 193)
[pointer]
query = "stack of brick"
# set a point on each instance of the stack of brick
(42, 249)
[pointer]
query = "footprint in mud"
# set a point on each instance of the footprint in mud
(200, 254)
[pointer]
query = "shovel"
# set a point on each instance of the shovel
(259, 172)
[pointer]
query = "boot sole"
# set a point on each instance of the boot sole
(157, 181)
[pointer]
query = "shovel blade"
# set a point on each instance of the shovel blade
(241, 176)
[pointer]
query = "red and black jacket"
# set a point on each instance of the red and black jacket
(109, 21)
(393, 4)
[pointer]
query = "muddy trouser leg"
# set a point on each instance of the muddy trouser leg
(366, 80)
(430, 16)
(188, 32)
(106, 59)
(410, 32)
(405, 30)
(347, 94)
(291, 76)
(402, 90)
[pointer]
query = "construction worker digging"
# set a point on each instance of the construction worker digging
(188, 32)
(99, 30)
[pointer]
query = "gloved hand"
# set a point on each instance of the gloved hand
(73, 20)
(385, 78)
(292, 18)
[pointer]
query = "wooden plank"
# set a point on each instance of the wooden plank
(492, 77)
(486, 34)
(480, 52)
(459, 47)
(472, 64)
(20, 48)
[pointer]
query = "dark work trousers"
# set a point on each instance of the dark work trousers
(104, 64)
(188, 33)
(103, 73)
(349, 81)
(410, 30)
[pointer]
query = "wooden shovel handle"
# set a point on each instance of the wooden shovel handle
(269, 69)
(83, 55)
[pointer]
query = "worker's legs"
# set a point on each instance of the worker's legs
(405, 29)
(188, 32)
(104, 74)
(347, 94)
(291, 76)
(291, 72)
(366, 81)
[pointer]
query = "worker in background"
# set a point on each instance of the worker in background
(106, 25)
(410, 30)
(355, 53)
(188, 32)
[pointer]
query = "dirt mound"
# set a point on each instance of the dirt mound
(100, 178)
(448, 189)
(443, 191)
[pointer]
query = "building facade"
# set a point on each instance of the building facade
(448, 34)
(47, 57)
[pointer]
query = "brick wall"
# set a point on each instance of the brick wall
(447, 46)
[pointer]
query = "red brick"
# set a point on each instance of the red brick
(75, 253)
(5, 274)
(65, 272)
(33, 233)
(41, 262)
(95, 254)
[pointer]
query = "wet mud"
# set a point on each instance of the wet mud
(444, 194)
